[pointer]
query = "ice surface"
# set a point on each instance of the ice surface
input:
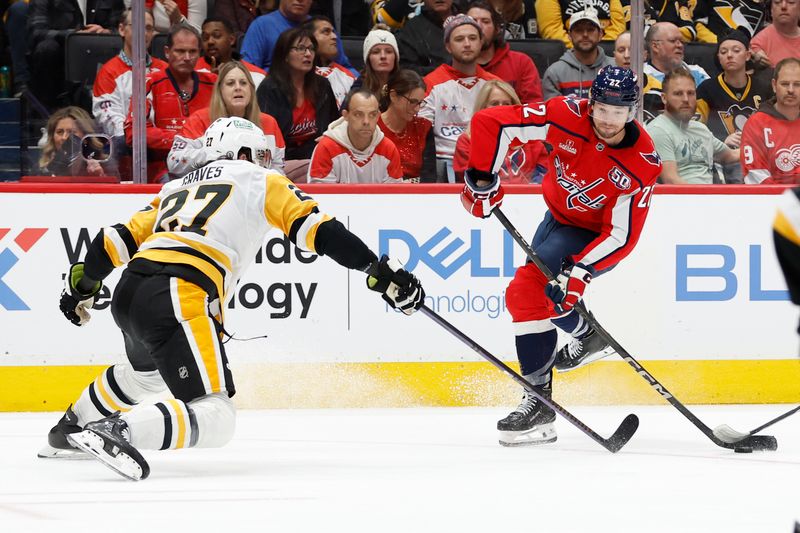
(418, 470)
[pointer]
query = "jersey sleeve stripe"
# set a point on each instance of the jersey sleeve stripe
(115, 248)
(304, 230)
(127, 238)
(620, 232)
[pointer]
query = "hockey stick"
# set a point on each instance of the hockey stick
(728, 434)
(613, 444)
(747, 443)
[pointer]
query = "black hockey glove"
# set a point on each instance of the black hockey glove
(74, 303)
(399, 288)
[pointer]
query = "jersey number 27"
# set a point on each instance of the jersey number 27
(214, 196)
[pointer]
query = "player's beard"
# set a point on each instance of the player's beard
(607, 132)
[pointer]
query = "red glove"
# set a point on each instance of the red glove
(481, 200)
(567, 289)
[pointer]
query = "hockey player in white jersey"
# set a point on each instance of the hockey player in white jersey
(184, 253)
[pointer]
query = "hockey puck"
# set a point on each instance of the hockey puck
(743, 449)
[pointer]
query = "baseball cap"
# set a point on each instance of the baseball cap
(589, 14)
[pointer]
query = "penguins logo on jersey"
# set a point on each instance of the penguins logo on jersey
(735, 116)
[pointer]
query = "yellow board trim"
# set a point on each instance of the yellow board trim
(321, 385)
(179, 414)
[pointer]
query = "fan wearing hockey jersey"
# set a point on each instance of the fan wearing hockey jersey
(171, 96)
(185, 253)
(112, 87)
(452, 89)
(340, 78)
(603, 167)
(770, 143)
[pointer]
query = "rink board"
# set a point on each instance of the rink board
(701, 302)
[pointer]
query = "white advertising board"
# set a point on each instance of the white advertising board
(703, 283)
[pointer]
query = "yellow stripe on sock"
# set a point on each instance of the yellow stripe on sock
(180, 417)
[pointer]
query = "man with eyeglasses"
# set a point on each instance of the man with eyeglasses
(664, 44)
(113, 86)
(354, 149)
(781, 39)
(171, 96)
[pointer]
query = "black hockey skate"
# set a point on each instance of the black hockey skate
(530, 423)
(57, 445)
(579, 352)
(107, 441)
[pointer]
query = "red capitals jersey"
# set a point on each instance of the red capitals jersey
(605, 189)
(770, 148)
(166, 112)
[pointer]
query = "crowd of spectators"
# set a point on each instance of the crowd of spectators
(428, 66)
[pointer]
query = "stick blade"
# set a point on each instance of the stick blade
(727, 434)
(623, 434)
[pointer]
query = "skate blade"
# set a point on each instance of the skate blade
(48, 452)
(591, 359)
(122, 463)
(542, 434)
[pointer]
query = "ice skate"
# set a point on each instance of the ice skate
(530, 423)
(107, 441)
(579, 352)
(57, 445)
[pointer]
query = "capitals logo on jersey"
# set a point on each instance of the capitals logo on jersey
(651, 157)
(578, 197)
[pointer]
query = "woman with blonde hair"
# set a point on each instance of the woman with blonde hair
(61, 154)
(526, 163)
(234, 95)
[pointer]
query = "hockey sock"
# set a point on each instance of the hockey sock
(572, 323)
(207, 422)
(536, 353)
(118, 388)
(162, 426)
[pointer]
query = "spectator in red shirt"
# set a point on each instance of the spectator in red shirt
(497, 57)
(781, 39)
(218, 43)
(172, 95)
(298, 98)
(234, 96)
(524, 163)
(412, 135)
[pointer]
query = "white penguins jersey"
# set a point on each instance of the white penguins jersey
(214, 219)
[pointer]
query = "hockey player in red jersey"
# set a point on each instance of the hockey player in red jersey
(603, 166)
(770, 148)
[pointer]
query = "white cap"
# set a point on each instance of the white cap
(588, 13)
(380, 37)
